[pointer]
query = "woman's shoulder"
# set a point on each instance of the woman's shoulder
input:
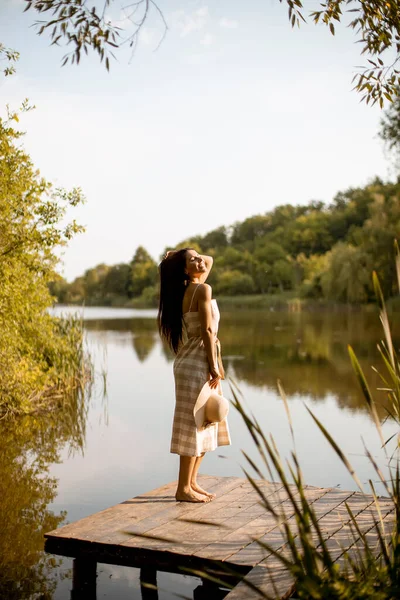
(204, 291)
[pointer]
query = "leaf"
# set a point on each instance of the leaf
(286, 405)
(366, 391)
(336, 448)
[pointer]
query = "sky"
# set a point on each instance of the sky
(233, 114)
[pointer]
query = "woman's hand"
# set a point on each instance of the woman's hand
(169, 253)
(215, 378)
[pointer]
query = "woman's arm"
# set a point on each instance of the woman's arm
(208, 260)
(207, 332)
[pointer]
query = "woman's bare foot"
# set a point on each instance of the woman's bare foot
(190, 496)
(199, 490)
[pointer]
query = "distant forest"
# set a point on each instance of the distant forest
(317, 251)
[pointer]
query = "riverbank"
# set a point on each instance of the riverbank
(285, 301)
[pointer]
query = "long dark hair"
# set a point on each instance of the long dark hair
(173, 282)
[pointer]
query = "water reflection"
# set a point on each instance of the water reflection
(307, 352)
(28, 446)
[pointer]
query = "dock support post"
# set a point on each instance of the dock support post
(148, 577)
(83, 579)
(209, 589)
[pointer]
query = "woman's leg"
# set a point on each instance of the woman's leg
(194, 485)
(185, 492)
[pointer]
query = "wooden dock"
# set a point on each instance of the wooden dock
(155, 533)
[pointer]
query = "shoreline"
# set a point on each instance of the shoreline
(271, 302)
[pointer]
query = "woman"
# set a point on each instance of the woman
(185, 303)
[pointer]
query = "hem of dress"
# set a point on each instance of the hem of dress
(192, 455)
(201, 453)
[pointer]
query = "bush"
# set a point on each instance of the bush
(40, 356)
(232, 283)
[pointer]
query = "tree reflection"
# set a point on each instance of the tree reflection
(143, 345)
(144, 333)
(27, 448)
(307, 352)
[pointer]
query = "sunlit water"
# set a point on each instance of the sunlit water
(126, 441)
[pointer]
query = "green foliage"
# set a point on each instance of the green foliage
(40, 356)
(376, 24)
(317, 251)
(9, 57)
(347, 274)
(143, 272)
(133, 284)
(148, 298)
(234, 282)
(74, 22)
(390, 128)
(116, 280)
(215, 240)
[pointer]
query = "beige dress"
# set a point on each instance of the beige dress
(191, 372)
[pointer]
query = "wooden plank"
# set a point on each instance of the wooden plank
(246, 494)
(122, 529)
(389, 521)
(170, 524)
(185, 537)
(133, 511)
(149, 502)
(277, 584)
(343, 540)
(252, 525)
(331, 518)
(253, 553)
(324, 508)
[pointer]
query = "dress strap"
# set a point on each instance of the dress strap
(194, 293)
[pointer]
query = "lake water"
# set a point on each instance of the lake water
(62, 467)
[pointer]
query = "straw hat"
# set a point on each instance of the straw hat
(210, 407)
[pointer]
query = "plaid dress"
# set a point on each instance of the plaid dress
(191, 372)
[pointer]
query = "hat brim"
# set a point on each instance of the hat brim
(200, 405)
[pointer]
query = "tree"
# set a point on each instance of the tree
(251, 229)
(377, 27)
(288, 248)
(93, 282)
(117, 280)
(309, 234)
(234, 282)
(216, 239)
(83, 27)
(143, 272)
(311, 269)
(379, 232)
(389, 130)
(38, 353)
(271, 269)
(348, 274)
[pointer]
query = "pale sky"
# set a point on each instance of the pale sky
(234, 114)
